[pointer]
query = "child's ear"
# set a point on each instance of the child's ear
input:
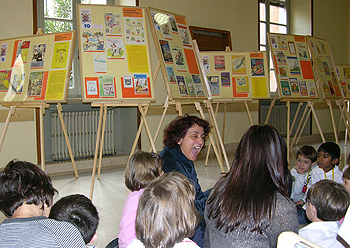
(335, 161)
(312, 164)
(93, 238)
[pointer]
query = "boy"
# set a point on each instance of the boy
(26, 196)
(328, 158)
(79, 211)
(327, 202)
(301, 173)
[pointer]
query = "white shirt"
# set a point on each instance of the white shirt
(318, 174)
(186, 243)
(322, 233)
(299, 181)
(345, 227)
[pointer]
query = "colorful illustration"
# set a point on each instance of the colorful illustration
(182, 86)
(257, 66)
(141, 84)
(238, 63)
(242, 84)
(38, 56)
(134, 30)
(113, 25)
(107, 86)
(293, 64)
(225, 79)
(171, 75)
(5, 77)
(285, 88)
(35, 83)
(115, 48)
(302, 51)
(17, 83)
(60, 55)
(93, 41)
(214, 85)
(179, 57)
(198, 85)
(294, 85)
(303, 88)
(219, 62)
(166, 51)
(282, 42)
(3, 52)
(283, 71)
(185, 36)
(190, 86)
(281, 57)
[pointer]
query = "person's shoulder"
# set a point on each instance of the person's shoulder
(136, 244)
(186, 243)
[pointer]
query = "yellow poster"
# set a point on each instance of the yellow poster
(55, 85)
(137, 58)
(60, 55)
(259, 87)
(242, 84)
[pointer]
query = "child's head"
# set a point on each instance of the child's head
(328, 156)
(166, 212)
(306, 157)
(346, 179)
(24, 183)
(327, 201)
(142, 169)
(79, 211)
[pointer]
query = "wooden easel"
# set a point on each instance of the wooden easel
(42, 107)
(142, 107)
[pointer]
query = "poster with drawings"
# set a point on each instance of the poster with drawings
(114, 54)
(177, 56)
(293, 67)
(237, 75)
(343, 72)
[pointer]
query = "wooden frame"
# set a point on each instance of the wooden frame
(209, 39)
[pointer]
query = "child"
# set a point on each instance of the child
(327, 164)
(26, 195)
(79, 211)
(346, 179)
(327, 202)
(142, 169)
(301, 173)
(167, 215)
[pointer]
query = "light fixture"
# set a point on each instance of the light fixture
(161, 19)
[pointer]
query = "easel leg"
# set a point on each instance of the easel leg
(102, 140)
(270, 109)
(147, 128)
(316, 120)
(59, 111)
(288, 128)
(166, 106)
(224, 124)
(304, 124)
(248, 113)
(96, 152)
(295, 116)
(7, 123)
(199, 108)
(209, 147)
(300, 123)
(329, 103)
(42, 146)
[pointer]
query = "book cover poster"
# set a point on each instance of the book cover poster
(242, 84)
(303, 88)
(115, 48)
(185, 36)
(302, 51)
(141, 84)
(171, 74)
(173, 24)
(85, 18)
(294, 85)
(35, 85)
(38, 56)
(164, 45)
(198, 85)
(190, 86)
(282, 42)
(281, 57)
(107, 87)
(285, 88)
(93, 41)
(293, 64)
(3, 52)
(214, 85)
(127, 81)
(206, 63)
(17, 83)
(166, 29)
(219, 62)
(5, 77)
(91, 87)
(238, 63)
(23, 50)
(182, 86)
(257, 66)
(225, 79)
(100, 63)
(134, 30)
(60, 55)
(179, 57)
(113, 24)
(311, 88)
(283, 71)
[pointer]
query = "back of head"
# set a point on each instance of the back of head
(346, 173)
(177, 129)
(166, 212)
(142, 169)
(330, 199)
(79, 211)
(24, 183)
(331, 148)
(308, 152)
(260, 169)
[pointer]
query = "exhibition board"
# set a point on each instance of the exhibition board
(177, 58)
(237, 75)
(343, 72)
(293, 67)
(114, 54)
(36, 68)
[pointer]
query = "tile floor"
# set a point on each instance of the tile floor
(110, 191)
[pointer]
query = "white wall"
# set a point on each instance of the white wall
(20, 139)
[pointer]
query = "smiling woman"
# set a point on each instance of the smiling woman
(184, 138)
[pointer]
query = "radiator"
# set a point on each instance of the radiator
(278, 117)
(82, 132)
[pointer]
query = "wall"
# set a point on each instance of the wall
(20, 139)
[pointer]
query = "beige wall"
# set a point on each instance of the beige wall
(20, 141)
(331, 21)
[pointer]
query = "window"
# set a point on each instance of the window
(273, 17)
(59, 16)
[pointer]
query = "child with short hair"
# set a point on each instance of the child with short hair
(166, 215)
(79, 211)
(26, 195)
(143, 168)
(346, 179)
(328, 159)
(306, 158)
(326, 203)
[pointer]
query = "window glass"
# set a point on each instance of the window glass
(58, 9)
(278, 15)
(262, 12)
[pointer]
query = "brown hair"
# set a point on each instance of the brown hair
(166, 212)
(177, 129)
(247, 191)
(142, 169)
(330, 199)
(308, 152)
(346, 173)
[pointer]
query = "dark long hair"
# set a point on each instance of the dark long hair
(247, 191)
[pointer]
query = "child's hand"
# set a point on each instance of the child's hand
(299, 169)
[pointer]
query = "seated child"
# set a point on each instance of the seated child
(328, 158)
(326, 203)
(346, 179)
(26, 195)
(166, 215)
(142, 169)
(79, 211)
(301, 173)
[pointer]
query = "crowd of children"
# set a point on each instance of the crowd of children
(160, 210)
